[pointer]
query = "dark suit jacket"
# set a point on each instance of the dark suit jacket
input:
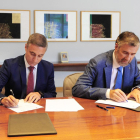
(13, 76)
(95, 81)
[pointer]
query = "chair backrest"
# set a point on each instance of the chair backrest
(69, 82)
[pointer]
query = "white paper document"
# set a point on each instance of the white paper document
(24, 106)
(130, 104)
(62, 105)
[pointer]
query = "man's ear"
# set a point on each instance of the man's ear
(116, 46)
(25, 47)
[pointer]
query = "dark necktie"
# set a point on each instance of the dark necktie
(30, 85)
(118, 84)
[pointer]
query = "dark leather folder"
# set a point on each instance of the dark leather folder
(30, 124)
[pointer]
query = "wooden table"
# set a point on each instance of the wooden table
(92, 123)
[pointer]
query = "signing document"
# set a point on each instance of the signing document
(62, 105)
(128, 104)
(24, 106)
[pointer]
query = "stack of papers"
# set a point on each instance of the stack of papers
(24, 106)
(130, 104)
(62, 105)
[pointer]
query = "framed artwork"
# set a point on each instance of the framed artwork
(64, 57)
(56, 25)
(14, 25)
(100, 26)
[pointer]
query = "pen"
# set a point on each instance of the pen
(102, 107)
(111, 107)
(12, 92)
(13, 95)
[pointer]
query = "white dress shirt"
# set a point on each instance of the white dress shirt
(113, 76)
(27, 71)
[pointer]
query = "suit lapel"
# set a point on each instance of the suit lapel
(108, 69)
(38, 80)
(22, 71)
(126, 75)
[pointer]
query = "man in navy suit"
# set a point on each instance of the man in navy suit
(14, 74)
(99, 78)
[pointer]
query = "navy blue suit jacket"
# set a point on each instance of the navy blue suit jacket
(13, 76)
(96, 79)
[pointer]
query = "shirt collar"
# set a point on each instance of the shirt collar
(115, 63)
(26, 63)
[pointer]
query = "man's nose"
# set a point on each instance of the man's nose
(35, 59)
(128, 57)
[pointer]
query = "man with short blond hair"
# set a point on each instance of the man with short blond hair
(27, 77)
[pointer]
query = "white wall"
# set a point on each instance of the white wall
(130, 21)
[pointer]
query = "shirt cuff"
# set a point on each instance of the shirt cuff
(135, 87)
(108, 93)
(0, 100)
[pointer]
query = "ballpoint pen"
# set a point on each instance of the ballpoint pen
(102, 107)
(13, 95)
(111, 107)
(12, 92)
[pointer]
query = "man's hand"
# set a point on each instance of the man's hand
(118, 95)
(32, 97)
(135, 94)
(10, 101)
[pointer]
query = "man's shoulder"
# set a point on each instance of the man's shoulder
(45, 67)
(15, 60)
(45, 63)
(103, 57)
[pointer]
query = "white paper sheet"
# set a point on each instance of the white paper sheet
(62, 105)
(24, 106)
(130, 104)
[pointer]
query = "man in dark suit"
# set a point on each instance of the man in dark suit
(14, 74)
(99, 78)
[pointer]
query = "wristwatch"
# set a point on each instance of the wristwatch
(137, 88)
(42, 95)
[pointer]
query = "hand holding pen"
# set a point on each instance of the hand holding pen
(10, 101)
(118, 95)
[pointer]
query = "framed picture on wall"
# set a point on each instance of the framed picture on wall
(64, 57)
(14, 25)
(100, 26)
(56, 25)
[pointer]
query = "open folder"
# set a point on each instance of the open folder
(129, 104)
(30, 124)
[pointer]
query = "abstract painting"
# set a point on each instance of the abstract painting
(100, 26)
(10, 25)
(14, 25)
(56, 25)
